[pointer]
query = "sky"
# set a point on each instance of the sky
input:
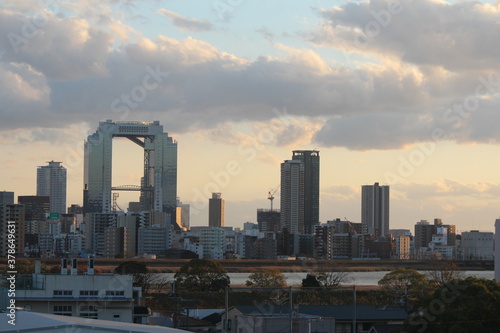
(399, 92)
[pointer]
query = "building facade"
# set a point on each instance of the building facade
(51, 182)
(477, 245)
(216, 211)
(159, 183)
(292, 197)
(103, 296)
(11, 223)
(310, 161)
(375, 209)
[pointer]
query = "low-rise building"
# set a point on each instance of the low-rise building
(103, 296)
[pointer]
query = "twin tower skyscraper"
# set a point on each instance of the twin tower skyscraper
(159, 182)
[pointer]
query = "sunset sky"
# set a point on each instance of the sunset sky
(404, 93)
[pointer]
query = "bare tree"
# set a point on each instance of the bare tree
(443, 272)
(333, 279)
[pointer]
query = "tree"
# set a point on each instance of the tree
(201, 275)
(140, 274)
(404, 284)
(333, 279)
(443, 272)
(266, 278)
(461, 305)
(311, 281)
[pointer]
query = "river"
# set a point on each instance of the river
(357, 278)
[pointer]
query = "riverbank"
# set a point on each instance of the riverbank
(104, 265)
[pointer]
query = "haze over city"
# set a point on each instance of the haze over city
(395, 92)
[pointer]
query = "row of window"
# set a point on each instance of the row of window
(89, 293)
(86, 311)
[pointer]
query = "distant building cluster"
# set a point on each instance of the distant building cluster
(158, 224)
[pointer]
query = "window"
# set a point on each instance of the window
(62, 293)
(89, 293)
(88, 311)
(116, 317)
(115, 293)
(63, 310)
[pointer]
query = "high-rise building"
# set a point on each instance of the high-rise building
(310, 160)
(159, 183)
(423, 234)
(292, 197)
(300, 192)
(216, 211)
(375, 209)
(51, 182)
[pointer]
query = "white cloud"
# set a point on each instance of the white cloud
(186, 24)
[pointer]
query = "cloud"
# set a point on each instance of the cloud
(186, 24)
(89, 67)
(426, 32)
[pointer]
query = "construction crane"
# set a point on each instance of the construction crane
(271, 194)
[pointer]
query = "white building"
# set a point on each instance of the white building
(103, 296)
(51, 182)
(477, 245)
(213, 241)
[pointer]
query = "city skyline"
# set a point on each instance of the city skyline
(402, 93)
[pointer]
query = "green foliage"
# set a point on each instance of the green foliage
(267, 278)
(202, 275)
(405, 285)
(461, 305)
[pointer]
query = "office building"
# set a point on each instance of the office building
(216, 211)
(375, 209)
(153, 240)
(213, 241)
(158, 189)
(310, 187)
(477, 245)
(51, 182)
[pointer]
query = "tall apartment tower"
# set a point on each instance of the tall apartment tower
(158, 186)
(292, 197)
(300, 192)
(216, 211)
(51, 182)
(310, 160)
(375, 209)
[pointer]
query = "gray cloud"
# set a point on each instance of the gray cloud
(456, 36)
(76, 72)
